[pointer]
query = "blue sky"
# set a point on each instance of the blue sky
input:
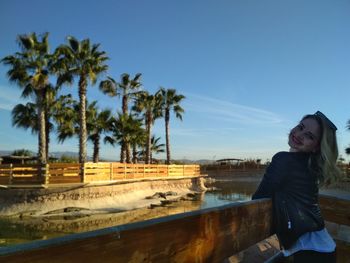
(249, 69)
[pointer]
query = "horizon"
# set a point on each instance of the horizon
(249, 71)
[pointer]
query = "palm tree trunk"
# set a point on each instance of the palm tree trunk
(41, 127)
(126, 144)
(96, 149)
(47, 129)
(127, 152)
(148, 146)
(82, 119)
(134, 153)
(47, 133)
(125, 104)
(122, 153)
(167, 141)
(47, 125)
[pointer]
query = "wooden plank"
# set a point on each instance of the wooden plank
(63, 169)
(4, 180)
(5, 172)
(335, 209)
(64, 179)
(209, 235)
(28, 180)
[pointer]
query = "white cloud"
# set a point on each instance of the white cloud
(202, 132)
(231, 112)
(9, 97)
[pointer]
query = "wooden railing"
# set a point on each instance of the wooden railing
(209, 235)
(60, 173)
(229, 169)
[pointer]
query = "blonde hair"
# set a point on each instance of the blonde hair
(324, 161)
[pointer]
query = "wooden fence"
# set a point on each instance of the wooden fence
(61, 173)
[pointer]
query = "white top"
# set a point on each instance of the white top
(319, 241)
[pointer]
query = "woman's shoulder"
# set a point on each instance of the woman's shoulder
(280, 156)
(283, 159)
(290, 155)
(289, 158)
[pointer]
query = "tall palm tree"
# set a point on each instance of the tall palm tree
(125, 128)
(170, 102)
(85, 61)
(347, 150)
(30, 69)
(150, 106)
(128, 88)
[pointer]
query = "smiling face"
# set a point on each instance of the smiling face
(305, 137)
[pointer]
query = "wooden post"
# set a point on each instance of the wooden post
(183, 170)
(124, 170)
(133, 170)
(47, 174)
(111, 172)
(11, 174)
(82, 172)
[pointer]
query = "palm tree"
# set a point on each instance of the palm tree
(347, 150)
(25, 115)
(98, 123)
(85, 61)
(149, 106)
(156, 147)
(22, 152)
(68, 121)
(138, 139)
(129, 89)
(170, 102)
(125, 128)
(30, 69)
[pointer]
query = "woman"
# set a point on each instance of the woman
(292, 180)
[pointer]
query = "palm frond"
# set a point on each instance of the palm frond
(73, 44)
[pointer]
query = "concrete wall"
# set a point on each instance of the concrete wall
(108, 198)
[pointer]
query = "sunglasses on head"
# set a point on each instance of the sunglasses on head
(328, 121)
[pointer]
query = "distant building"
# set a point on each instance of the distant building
(7, 159)
(229, 161)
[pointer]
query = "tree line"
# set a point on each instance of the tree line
(84, 63)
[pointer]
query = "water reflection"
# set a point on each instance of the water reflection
(16, 230)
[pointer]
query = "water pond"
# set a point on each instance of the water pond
(22, 230)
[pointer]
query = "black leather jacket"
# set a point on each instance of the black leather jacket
(294, 192)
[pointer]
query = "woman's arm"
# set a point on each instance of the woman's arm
(273, 176)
